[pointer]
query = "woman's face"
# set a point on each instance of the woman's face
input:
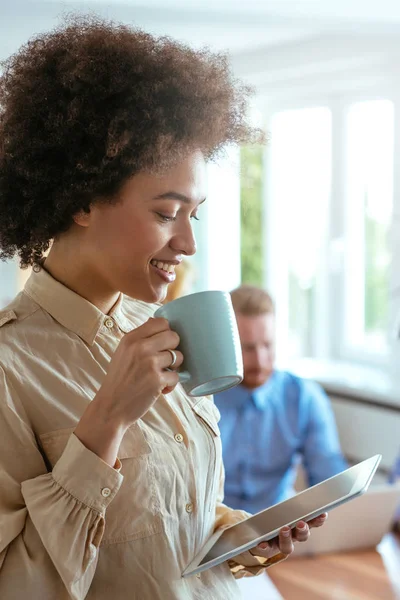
(136, 245)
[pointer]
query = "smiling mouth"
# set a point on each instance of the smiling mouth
(163, 266)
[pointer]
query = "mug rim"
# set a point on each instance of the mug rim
(197, 391)
(187, 296)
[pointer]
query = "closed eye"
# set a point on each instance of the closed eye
(165, 218)
(169, 218)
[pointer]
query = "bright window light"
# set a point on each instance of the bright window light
(368, 211)
(300, 188)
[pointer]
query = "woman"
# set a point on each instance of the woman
(111, 477)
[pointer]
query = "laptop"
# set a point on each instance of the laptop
(358, 524)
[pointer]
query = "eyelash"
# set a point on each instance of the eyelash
(167, 219)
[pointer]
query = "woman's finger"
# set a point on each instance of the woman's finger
(159, 342)
(318, 521)
(286, 541)
(266, 549)
(301, 532)
(170, 380)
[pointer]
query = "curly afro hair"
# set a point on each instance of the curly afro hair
(90, 104)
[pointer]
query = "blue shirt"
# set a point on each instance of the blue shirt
(395, 478)
(266, 431)
(395, 473)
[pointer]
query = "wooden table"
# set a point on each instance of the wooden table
(361, 575)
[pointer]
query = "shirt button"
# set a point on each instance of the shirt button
(105, 492)
(178, 438)
(198, 575)
(109, 323)
(189, 507)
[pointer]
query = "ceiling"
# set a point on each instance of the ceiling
(356, 10)
(275, 45)
(231, 25)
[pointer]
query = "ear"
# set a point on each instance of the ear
(82, 218)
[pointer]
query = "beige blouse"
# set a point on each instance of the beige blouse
(70, 525)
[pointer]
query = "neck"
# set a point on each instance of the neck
(68, 266)
(250, 385)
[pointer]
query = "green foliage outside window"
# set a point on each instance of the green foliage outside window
(376, 275)
(251, 162)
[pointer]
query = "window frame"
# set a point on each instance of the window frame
(327, 331)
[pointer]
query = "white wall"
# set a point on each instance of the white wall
(8, 282)
(367, 430)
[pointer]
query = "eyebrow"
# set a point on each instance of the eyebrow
(176, 196)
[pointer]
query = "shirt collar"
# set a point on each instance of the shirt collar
(261, 396)
(69, 309)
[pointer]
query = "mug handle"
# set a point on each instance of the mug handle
(183, 375)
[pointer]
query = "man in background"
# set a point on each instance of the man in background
(273, 419)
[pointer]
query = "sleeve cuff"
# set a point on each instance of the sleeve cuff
(86, 476)
(246, 564)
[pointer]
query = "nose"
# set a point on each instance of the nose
(258, 357)
(184, 240)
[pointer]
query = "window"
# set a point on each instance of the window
(368, 212)
(320, 233)
(300, 179)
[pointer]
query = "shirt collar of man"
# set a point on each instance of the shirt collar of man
(69, 309)
(260, 396)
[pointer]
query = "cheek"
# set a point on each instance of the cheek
(267, 360)
(248, 361)
(128, 238)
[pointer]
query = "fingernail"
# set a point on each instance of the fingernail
(263, 545)
(301, 525)
(286, 531)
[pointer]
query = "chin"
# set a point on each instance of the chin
(255, 382)
(142, 287)
(157, 295)
(151, 295)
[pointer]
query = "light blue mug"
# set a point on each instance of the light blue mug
(209, 341)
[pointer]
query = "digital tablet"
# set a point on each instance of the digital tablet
(265, 525)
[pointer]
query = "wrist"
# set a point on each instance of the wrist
(100, 432)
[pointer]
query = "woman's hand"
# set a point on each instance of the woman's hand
(284, 542)
(136, 377)
(137, 373)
